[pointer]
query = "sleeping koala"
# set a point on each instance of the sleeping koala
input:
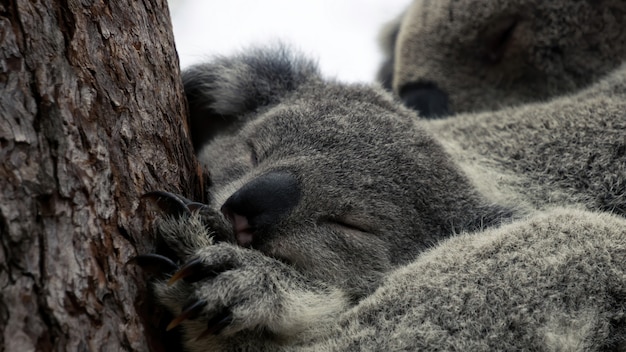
(332, 206)
(476, 55)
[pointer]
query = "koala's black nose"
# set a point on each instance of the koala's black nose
(426, 98)
(261, 203)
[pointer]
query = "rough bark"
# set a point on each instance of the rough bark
(90, 118)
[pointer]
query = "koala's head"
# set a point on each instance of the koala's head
(475, 55)
(339, 181)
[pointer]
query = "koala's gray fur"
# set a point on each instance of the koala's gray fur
(364, 259)
(553, 282)
(489, 54)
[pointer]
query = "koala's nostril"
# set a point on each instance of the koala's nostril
(261, 202)
(426, 98)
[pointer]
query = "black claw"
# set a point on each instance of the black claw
(154, 263)
(190, 311)
(217, 324)
(169, 203)
(195, 270)
(190, 272)
(195, 206)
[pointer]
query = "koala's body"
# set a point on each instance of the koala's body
(338, 220)
(331, 206)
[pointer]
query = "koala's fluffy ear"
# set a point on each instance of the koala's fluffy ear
(223, 92)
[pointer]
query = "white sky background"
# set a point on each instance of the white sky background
(341, 34)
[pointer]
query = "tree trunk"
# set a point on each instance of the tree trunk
(91, 117)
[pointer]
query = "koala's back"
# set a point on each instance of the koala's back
(570, 151)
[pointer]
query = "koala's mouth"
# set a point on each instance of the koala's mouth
(242, 230)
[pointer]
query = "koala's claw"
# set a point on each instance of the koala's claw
(217, 324)
(196, 270)
(193, 309)
(190, 311)
(190, 272)
(173, 204)
(154, 263)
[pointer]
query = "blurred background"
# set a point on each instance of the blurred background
(341, 34)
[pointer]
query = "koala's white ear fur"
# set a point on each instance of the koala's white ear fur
(221, 91)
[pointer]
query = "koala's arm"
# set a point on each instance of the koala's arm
(553, 282)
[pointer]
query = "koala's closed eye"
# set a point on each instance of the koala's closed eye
(351, 224)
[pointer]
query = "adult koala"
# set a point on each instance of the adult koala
(331, 206)
(477, 55)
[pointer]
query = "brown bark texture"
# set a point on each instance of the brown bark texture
(91, 117)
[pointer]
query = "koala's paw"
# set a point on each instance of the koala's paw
(183, 227)
(224, 289)
(217, 288)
